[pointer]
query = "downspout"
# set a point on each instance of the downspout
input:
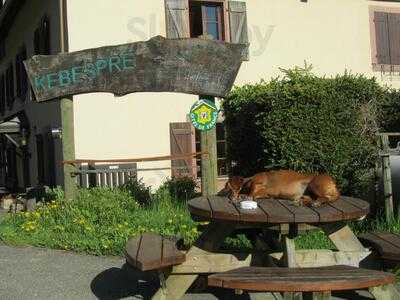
(63, 26)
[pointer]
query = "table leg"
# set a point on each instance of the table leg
(321, 296)
(289, 256)
(175, 286)
(386, 292)
(343, 237)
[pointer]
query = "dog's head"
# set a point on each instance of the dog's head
(235, 185)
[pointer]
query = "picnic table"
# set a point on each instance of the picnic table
(225, 216)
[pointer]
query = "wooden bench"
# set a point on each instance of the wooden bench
(386, 245)
(152, 252)
(320, 281)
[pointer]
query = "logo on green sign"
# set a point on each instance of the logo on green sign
(204, 115)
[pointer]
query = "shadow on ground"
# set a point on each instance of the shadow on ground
(127, 282)
(117, 283)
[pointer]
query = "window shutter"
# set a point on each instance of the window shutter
(382, 37)
(238, 24)
(2, 94)
(177, 19)
(394, 38)
(181, 136)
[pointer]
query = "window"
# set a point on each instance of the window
(2, 94)
(10, 86)
(41, 39)
(207, 18)
(222, 162)
(385, 38)
(224, 20)
(22, 79)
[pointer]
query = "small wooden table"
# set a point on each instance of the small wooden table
(225, 217)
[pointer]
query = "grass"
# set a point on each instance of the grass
(100, 221)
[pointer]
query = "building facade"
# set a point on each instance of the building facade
(334, 36)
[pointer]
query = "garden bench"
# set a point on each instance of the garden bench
(152, 252)
(319, 281)
(386, 245)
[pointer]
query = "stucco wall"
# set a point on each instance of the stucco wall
(45, 115)
(332, 35)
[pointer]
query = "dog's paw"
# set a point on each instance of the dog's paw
(298, 202)
(316, 204)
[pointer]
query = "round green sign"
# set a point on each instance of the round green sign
(204, 115)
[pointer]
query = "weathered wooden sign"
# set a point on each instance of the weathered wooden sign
(193, 66)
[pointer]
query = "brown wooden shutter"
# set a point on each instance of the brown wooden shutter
(238, 24)
(177, 19)
(394, 38)
(382, 37)
(181, 135)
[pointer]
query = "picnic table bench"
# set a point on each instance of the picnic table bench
(386, 245)
(177, 270)
(152, 252)
(319, 281)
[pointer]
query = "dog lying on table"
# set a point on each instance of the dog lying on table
(302, 188)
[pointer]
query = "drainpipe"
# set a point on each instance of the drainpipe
(67, 117)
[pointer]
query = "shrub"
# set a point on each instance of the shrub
(138, 190)
(181, 188)
(306, 123)
(390, 112)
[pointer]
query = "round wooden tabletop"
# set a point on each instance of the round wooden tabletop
(276, 211)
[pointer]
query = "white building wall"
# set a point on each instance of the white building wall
(332, 35)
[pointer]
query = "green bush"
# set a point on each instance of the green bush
(390, 112)
(182, 188)
(138, 190)
(306, 123)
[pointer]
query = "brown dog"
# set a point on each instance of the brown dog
(287, 184)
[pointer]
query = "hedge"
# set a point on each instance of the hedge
(307, 123)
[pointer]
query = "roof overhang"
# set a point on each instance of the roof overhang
(11, 126)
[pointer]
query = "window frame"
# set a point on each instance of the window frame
(10, 85)
(377, 67)
(225, 15)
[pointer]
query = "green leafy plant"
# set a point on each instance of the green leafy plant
(98, 221)
(306, 123)
(182, 188)
(138, 190)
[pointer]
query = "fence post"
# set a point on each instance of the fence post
(387, 177)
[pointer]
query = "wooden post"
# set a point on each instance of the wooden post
(209, 170)
(68, 147)
(209, 162)
(387, 177)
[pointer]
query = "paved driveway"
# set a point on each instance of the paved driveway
(31, 273)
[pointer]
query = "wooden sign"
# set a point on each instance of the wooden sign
(192, 66)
